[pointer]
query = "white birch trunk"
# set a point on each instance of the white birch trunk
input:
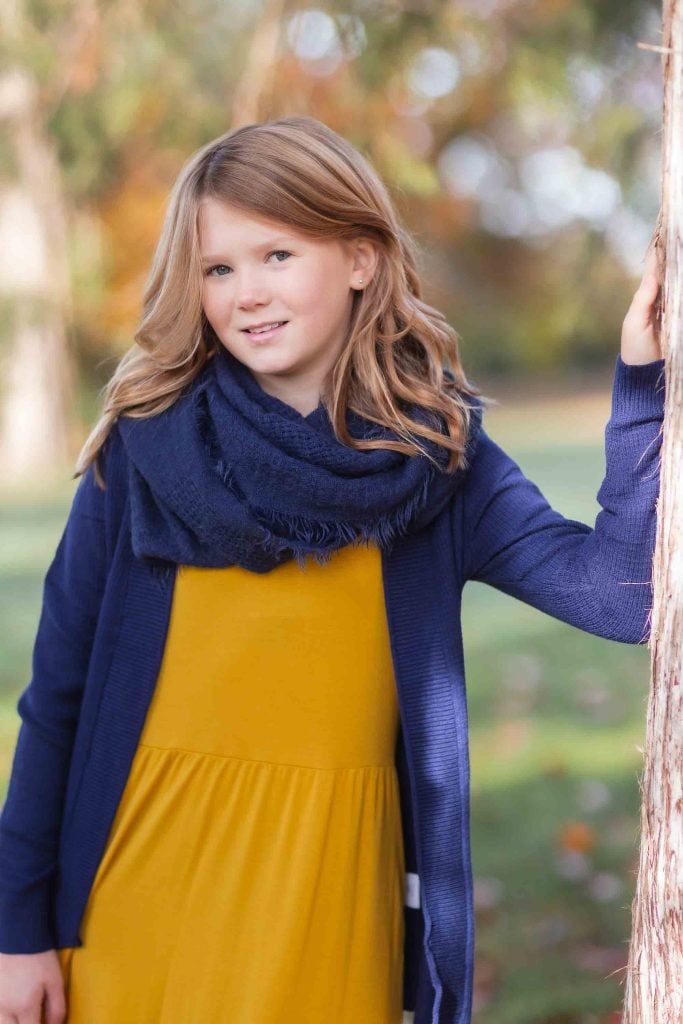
(37, 377)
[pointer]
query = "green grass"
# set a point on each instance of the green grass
(556, 716)
(30, 526)
(556, 719)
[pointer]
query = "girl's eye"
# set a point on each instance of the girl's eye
(222, 266)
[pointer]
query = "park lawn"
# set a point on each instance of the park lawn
(556, 720)
(557, 717)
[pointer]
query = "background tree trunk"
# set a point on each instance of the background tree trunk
(253, 89)
(37, 367)
(654, 982)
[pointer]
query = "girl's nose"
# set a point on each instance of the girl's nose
(250, 290)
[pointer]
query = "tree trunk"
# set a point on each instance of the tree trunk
(654, 982)
(252, 91)
(36, 397)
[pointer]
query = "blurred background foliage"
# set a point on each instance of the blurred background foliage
(520, 139)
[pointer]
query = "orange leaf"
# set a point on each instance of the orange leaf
(577, 836)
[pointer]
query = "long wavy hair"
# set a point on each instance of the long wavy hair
(299, 172)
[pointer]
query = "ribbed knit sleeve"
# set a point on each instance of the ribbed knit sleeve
(49, 708)
(598, 578)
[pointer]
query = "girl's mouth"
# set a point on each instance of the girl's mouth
(265, 335)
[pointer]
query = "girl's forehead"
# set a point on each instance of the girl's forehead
(222, 228)
(220, 219)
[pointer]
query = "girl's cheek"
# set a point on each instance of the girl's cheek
(210, 302)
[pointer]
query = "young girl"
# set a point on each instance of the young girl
(240, 791)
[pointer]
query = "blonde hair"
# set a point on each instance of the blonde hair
(297, 171)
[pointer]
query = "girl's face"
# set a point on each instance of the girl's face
(260, 271)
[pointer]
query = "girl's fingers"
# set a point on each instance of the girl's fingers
(640, 335)
(648, 290)
(649, 286)
(643, 300)
(651, 256)
(650, 269)
(55, 1003)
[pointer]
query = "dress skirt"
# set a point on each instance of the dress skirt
(254, 870)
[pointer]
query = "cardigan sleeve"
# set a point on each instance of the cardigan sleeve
(597, 578)
(49, 708)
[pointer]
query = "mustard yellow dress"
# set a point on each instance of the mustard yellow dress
(254, 871)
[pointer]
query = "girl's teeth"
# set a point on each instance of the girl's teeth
(268, 327)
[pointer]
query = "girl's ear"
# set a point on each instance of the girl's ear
(365, 260)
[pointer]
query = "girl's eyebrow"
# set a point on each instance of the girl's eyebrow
(256, 248)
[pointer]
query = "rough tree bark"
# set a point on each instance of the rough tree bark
(654, 980)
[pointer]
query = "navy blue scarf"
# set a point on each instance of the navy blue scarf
(230, 475)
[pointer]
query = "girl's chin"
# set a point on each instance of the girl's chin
(269, 362)
(261, 358)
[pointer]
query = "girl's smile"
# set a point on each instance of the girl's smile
(263, 334)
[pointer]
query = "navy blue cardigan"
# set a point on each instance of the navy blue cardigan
(101, 637)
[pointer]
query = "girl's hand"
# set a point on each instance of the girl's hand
(31, 984)
(640, 334)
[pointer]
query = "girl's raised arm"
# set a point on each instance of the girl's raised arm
(596, 578)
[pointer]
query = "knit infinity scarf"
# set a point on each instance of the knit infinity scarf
(231, 475)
